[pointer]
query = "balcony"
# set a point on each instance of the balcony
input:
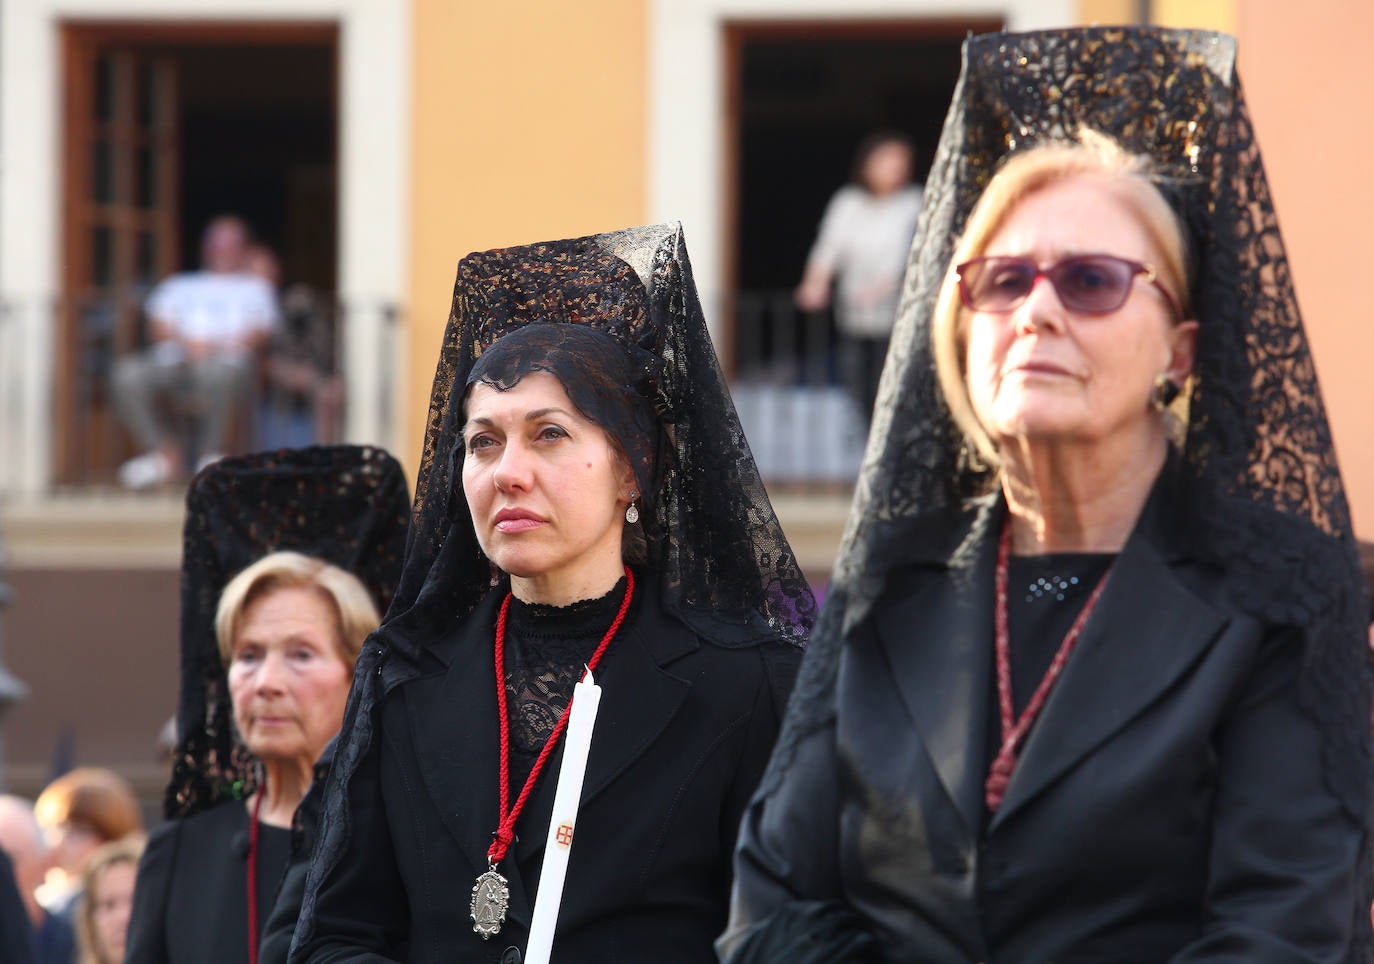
(58, 433)
(61, 444)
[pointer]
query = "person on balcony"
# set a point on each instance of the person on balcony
(860, 250)
(302, 401)
(207, 329)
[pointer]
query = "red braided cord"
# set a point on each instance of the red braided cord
(253, 877)
(505, 833)
(999, 774)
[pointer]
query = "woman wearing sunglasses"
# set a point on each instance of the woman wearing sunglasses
(1088, 685)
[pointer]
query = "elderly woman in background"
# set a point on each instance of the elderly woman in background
(1085, 716)
(289, 629)
(288, 558)
(102, 918)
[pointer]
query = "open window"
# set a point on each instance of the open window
(802, 95)
(164, 127)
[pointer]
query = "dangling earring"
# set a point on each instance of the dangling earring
(632, 510)
(1163, 393)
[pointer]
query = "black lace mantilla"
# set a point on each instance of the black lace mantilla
(717, 557)
(1267, 502)
(346, 504)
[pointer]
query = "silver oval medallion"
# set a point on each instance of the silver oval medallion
(490, 898)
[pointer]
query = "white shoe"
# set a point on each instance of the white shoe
(146, 470)
(209, 458)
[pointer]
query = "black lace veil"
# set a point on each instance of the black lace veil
(716, 551)
(345, 504)
(1265, 495)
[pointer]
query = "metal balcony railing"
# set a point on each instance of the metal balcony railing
(804, 428)
(57, 423)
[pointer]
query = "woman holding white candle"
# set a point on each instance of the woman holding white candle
(610, 520)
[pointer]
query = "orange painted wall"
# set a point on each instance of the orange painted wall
(1309, 81)
(1106, 12)
(1202, 14)
(528, 124)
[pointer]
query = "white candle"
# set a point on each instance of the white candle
(577, 742)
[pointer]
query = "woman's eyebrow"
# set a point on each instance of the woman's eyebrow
(533, 416)
(546, 412)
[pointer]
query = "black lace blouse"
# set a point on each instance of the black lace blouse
(547, 650)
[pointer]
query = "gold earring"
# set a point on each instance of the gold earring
(1163, 393)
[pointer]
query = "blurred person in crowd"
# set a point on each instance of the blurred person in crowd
(102, 917)
(50, 935)
(207, 329)
(15, 945)
(289, 558)
(78, 812)
(860, 252)
(303, 397)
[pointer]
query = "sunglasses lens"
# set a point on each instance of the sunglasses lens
(1092, 285)
(997, 284)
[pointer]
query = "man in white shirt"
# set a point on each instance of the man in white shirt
(207, 328)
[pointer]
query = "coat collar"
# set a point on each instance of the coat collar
(936, 627)
(452, 718)
(1148, 630)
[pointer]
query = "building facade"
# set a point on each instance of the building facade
(446, 126)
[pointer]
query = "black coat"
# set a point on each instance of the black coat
(191, 894)
(1168, 805)
(16, 944)
(682, 735)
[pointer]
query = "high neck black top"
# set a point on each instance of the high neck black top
(1045, 594)
(547, 650)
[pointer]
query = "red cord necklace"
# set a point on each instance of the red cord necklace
(490, 894)
(1013, 730)
(253, 876)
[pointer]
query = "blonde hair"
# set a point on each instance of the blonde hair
(124, 851)
(1091, 155)
(356, 613)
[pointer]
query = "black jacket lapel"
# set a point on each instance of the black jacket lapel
(1158, 629)
(944, 674)
(453, 728)
(639, 698)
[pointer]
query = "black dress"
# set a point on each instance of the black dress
(191, 895)
(683, 733)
